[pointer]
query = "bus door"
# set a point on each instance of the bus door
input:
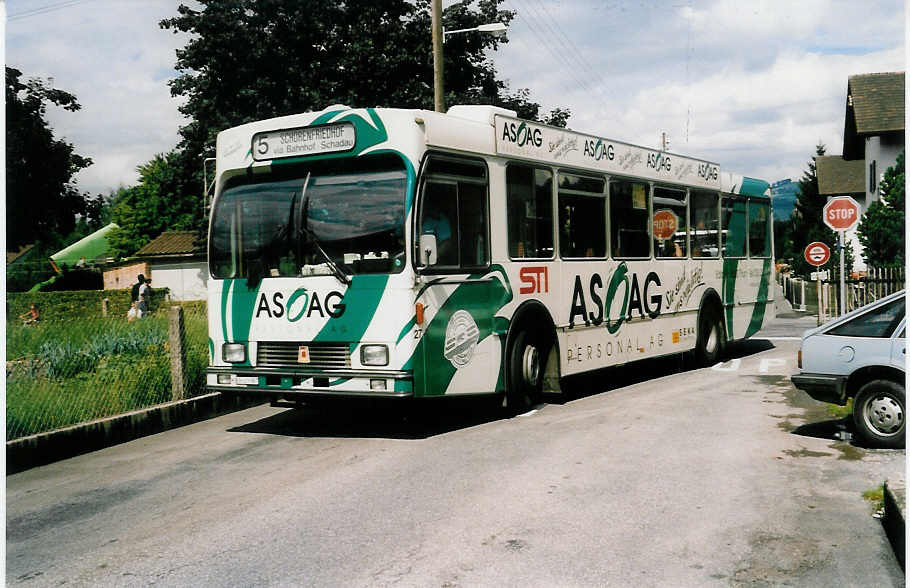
(458, 353)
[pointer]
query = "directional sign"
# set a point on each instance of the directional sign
(817, 253)
(841, 213)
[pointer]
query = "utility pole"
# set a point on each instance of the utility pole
(438, 99)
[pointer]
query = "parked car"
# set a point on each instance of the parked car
(861, 355)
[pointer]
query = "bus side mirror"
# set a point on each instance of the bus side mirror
(427, 250)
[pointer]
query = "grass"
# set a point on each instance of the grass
(67, 372)
(840, 412)
(876, 496)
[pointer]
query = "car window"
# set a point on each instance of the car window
(879, 322)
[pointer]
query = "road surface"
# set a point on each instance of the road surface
(691, 477)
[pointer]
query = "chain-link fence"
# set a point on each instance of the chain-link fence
(82, 361)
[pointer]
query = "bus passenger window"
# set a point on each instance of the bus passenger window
(759, 241)
(529, 201)
(582, 216)
(669, 223)
(629, 234)
(733, 215)
(705, 223)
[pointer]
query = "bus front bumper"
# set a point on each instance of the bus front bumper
(289, 383)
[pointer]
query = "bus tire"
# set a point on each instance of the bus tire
(879, 413)
(711, 337)
(527, 358)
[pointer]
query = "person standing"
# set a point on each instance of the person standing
(134, 291)
(145, 296)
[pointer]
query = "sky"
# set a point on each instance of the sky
(751, 85)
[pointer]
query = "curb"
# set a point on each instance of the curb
(44, 448)
(893, 519)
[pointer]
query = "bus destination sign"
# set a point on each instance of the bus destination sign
(304, 141)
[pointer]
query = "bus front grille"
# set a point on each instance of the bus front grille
(288, 354)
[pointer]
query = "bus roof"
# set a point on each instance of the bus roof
(467, 128)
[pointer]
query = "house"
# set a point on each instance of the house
(873, 138)
(174, 260)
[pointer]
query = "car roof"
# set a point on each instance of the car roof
(856, 312)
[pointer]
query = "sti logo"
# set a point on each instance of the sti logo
(534, 280)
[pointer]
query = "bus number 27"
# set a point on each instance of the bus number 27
(534, 280)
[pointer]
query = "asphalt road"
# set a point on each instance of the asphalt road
(691, 477)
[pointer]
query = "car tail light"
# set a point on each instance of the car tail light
(799, 358)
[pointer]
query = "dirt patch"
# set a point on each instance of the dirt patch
(778, 560)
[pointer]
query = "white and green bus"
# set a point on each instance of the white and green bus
(409, 253)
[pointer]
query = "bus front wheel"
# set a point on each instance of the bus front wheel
(711, 337)
(527, 357)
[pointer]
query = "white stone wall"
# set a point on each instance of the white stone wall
(185, 280)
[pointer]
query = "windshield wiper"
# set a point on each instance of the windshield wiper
(302, 226)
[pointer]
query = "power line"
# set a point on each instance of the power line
(44, 9)
(532, 22)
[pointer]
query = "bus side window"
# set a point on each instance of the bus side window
(454, 210)
(582, 216)
(629, 218)
(705, 224)
(733, 215)
(669, 206)
(440, 218)
(759, 241)
(529, 202)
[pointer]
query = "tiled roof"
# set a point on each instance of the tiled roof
(837, 176)
(12, 256)
(878, 101)
(171, 243)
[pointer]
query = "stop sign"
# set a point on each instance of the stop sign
(665, 223)
(841, 213)
(817, 253)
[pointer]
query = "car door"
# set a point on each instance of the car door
(899, 347)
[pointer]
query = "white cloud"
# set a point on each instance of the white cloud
(115, 59)
(752, 85)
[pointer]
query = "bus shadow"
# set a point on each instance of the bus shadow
(614, 378)
(403, 419)
(394, 419)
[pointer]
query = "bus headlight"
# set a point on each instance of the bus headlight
(233, 352)
(374, 355)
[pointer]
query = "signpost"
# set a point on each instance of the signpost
(818, 254)
(841, 214)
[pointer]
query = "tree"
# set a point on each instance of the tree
(882, 230)
(155, 205)
(41, 196)
(254, 59)
(809, 225)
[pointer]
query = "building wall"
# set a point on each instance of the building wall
(124, 276)
(185, 280)
(881, 152)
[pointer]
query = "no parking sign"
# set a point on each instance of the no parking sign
(817, 253)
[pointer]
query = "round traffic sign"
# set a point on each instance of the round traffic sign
(841, 213)
(817, 253)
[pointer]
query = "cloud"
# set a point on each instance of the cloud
(752, 86)
(111, 56)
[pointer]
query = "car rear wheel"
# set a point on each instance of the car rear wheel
(879, 413)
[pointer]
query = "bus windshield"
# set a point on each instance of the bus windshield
(318, 222)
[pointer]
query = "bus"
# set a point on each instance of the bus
(414, 254)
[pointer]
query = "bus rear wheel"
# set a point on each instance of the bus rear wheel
(711, 338)
(527, 357)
